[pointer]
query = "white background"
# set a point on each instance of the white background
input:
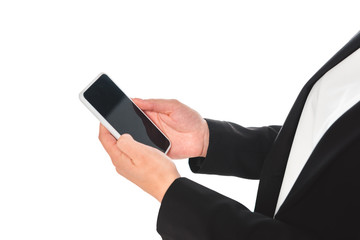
(242, 61)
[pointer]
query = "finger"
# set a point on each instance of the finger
(132, 148)
(108, 141)
(123, 163)
(157, 105)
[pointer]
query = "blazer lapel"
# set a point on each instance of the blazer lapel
(346, 128)
(275, 163)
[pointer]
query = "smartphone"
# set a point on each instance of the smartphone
(120, 115)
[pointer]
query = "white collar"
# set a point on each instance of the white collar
(331, 96)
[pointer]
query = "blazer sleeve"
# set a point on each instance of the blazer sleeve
(235, 150)
(193, 212)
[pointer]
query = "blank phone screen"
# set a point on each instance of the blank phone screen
(122, 114)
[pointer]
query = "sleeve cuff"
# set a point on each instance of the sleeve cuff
(197, 164)
(235, 150)
(180, 211)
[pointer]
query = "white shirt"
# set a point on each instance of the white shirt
(331, 96)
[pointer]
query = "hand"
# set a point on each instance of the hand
(187, 130)
(145, 166)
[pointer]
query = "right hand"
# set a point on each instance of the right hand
(187, 130)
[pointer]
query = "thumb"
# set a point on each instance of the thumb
(130, 147)
(156, 105)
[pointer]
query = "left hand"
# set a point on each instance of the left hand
(145, 166)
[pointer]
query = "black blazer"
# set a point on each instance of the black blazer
(324, 202)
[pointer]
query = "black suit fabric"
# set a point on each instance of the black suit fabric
(324, 202)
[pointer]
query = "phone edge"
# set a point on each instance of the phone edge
(103, 121)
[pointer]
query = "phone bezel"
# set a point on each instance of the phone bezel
(103, 121)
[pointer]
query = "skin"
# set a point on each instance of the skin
(147, 167)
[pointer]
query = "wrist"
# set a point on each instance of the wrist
(166, 186)
(206, 135)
